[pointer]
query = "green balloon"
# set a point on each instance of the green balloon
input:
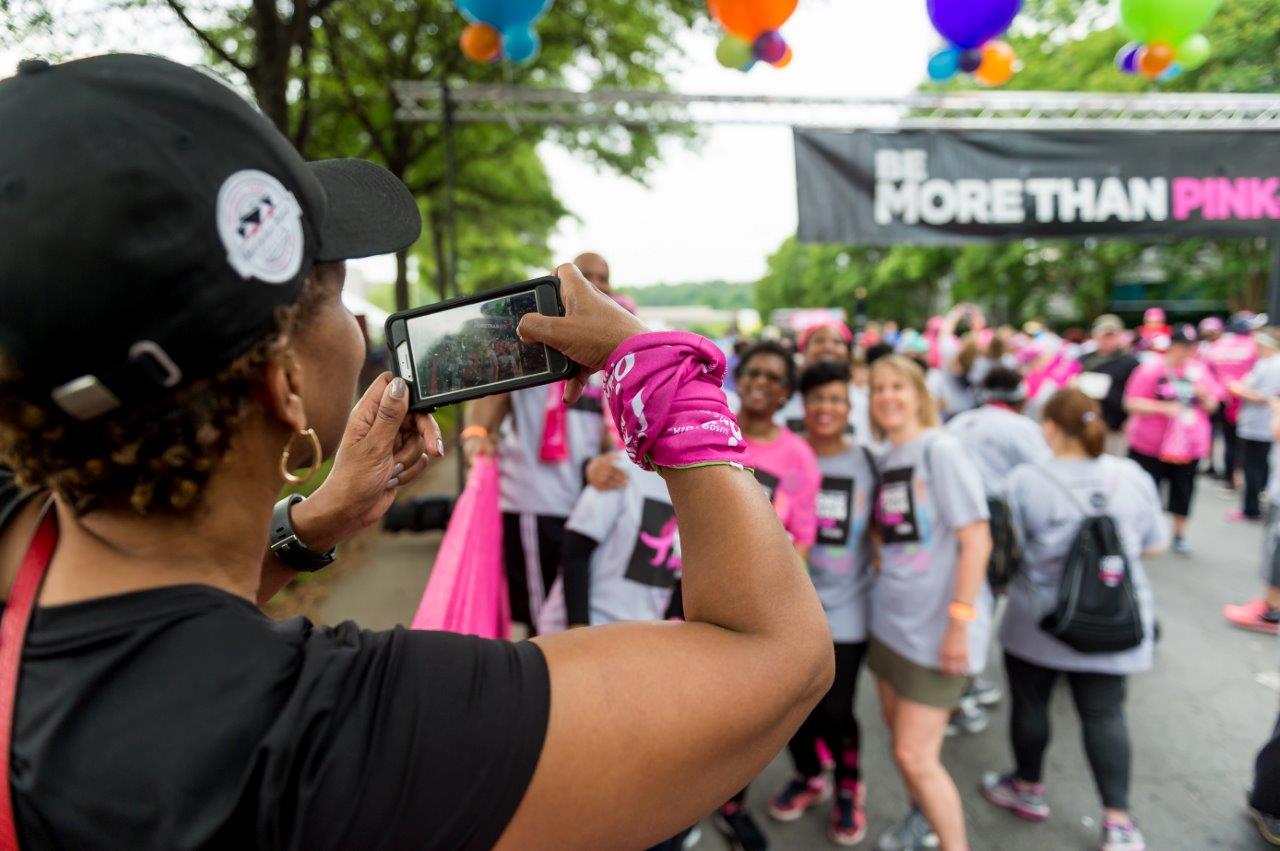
(1193, 52)
(734, 52)
(1168, 21)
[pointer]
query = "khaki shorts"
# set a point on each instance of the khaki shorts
(912, 681)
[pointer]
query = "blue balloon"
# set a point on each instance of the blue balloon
(503, 15)
(972, 23)
(1169, 73)
(745, 68)
(520, 44)
(944, 64)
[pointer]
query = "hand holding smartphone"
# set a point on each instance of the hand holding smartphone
(471, 347)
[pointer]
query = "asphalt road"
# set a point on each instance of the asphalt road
(1196, 722)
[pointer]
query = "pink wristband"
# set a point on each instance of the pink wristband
(663, 390)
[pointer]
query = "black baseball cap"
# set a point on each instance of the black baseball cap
(152, 221)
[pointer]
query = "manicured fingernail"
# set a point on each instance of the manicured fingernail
(439, 446)
(397, 470)
(393, 484)
(398, 387)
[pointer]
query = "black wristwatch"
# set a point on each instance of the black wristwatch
(285, 544)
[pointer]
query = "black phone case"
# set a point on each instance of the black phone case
(396, 334)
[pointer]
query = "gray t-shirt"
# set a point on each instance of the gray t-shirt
(840, 561)
(998, 440)
(953, 394)
(928, 489)
(636, 565)
(1048, 521)
(530, 485)
(1255, 417)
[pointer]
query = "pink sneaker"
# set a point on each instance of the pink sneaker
(798, 796)
(1024, 801)
(1254, 615)
(848, 825)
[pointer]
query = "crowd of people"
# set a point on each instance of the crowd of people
(922, 476)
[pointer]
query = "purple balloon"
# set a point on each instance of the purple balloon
(970, 59)
(1127, 58)
(770, 46)
(972, 23)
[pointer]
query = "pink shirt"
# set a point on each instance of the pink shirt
(789, 472)
(1230, 357)
(1155, 380)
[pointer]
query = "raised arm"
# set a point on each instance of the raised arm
(652, 726)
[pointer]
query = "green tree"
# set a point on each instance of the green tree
(322, 71)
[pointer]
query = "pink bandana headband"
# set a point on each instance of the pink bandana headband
(663, 390)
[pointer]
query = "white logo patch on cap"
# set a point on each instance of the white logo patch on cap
(260, 224)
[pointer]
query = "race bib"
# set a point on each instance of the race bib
(835, 508)
(896, 507)
(655, 558)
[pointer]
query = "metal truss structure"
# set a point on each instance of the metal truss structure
(482, 103)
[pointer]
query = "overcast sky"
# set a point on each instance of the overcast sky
(714, 211)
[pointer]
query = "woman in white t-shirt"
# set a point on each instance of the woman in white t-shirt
(930, 605)
(1048, 503)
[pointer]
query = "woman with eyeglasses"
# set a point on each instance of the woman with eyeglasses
(787, 470)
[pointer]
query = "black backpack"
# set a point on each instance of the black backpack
(1006, 547)
(1097, 608)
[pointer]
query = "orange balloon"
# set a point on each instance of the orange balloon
(748, 18)
(481, 42)
(998, 64)
(785, 60)
(1155, 58)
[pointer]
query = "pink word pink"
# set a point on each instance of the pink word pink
(1220, 198)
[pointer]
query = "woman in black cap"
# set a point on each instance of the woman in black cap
(172, 347)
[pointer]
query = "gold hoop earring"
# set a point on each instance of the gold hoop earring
(316, 454)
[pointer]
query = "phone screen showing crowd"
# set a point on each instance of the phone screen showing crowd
(474, 345)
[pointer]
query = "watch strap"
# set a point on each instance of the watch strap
(284, 542)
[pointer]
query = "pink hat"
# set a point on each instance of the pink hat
(1153, 314)
(840, 327)
(1211, 324)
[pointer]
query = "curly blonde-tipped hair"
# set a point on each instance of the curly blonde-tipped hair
(154, 457)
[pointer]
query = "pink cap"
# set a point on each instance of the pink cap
(1211, 324)
(840, 327)
(1153, 314)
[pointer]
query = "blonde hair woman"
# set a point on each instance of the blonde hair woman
(930, 606)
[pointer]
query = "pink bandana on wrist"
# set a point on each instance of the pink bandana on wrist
(663, 390)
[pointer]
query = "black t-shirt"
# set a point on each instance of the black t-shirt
(183, 717)
(1118, 367)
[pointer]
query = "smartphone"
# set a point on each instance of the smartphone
(466, 348)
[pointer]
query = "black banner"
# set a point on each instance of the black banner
(934, 187)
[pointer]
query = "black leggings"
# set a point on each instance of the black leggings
(1099, 700)
(1181, 478)
(1257, 467)
(833, 721)
(1265, 796)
